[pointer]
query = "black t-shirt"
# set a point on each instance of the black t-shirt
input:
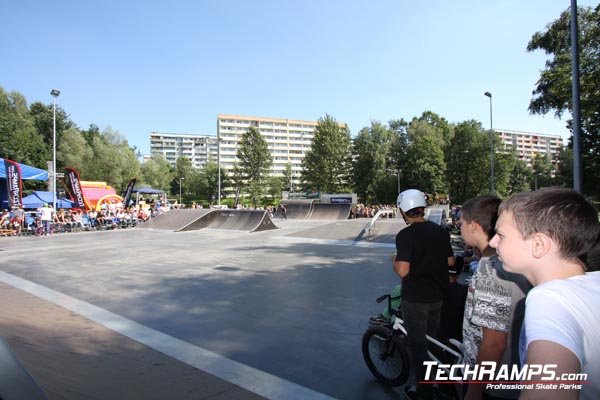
(426, 246)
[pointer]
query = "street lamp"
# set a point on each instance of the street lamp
(488, 94)
(180, 179)
(218, 166)
(55, 93)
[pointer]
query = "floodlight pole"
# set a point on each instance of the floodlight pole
(218, 167)
(488, 94)
(180, 203)
(55, 93)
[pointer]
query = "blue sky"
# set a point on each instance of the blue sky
(142, 66)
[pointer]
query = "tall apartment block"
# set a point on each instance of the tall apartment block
(200, 149)
(528, 144)
(288, 140)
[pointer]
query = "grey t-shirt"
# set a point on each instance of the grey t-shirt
(496, 300)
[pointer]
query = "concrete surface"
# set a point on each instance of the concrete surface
(293, 308)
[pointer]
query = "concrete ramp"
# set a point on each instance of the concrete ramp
(241, 220)
(296, 209)
(330, 211)
(175, 220)
(384, 231)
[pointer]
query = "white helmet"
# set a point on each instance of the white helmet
(411, 198)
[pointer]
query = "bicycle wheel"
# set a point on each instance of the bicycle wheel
(385, 356)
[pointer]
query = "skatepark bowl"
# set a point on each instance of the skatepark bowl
(199, 304)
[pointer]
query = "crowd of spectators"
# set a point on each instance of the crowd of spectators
(45, 220)
(369, 211)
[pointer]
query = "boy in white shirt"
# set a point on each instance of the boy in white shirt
(546, 236)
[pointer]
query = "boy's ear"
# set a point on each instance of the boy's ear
(541, 245)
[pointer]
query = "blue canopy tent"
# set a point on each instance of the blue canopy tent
(27, 173)
(148, 190)
(37, 199)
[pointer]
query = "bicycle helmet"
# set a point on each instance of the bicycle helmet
(410, 199)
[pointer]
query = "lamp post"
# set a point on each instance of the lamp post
(399, 172)
(488, 94)
(180, 179)
(55, 93)
(218, 166)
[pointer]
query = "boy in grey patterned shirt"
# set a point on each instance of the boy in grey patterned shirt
(495, 301)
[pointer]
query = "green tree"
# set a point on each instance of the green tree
(543, 170)
(19, 139)
(286, 182)
(43, 117)
(553, 91)
(425, 166)
(157, 173)
(520, 177)
(564, 168)
(375, 168)
(434, 125)
(468, 162)
(327, 166)
(114, 161)
(208, 183)
(254, 160)
(73, 151)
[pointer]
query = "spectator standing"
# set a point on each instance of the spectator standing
(423, 255)
(495, 303)
(546, 235)
(47, 215)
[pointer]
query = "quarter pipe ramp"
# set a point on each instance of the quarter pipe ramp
(330, 211)
(191, 220)
(296, 209)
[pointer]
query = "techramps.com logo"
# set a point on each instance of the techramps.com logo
(503, 377)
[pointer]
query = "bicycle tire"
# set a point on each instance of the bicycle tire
(385, 356)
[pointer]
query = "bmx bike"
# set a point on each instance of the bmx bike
(385, 353)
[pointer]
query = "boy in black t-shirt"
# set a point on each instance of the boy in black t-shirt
(424, 254)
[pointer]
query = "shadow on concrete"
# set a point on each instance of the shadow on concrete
(294, 310)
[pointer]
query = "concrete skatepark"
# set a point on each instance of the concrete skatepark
(206, 313)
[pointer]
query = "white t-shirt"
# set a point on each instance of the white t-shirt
(565, 311)
(46, 213)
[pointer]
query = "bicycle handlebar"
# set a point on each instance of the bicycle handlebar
(388, 296)
(381, 298)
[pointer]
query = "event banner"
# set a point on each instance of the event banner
(128, 192)
(13, 183)
(77, 192)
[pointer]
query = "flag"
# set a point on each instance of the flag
(128, 192)
(76, 191)
(13, 183)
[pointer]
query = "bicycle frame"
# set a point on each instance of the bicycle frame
(458, 356)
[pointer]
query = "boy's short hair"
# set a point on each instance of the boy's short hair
(483, 210)
(562, 214)
(415, 212)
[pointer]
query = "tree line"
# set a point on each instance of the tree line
(426, 152)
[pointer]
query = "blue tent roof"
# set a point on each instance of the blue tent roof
(37, 199)
(148, 190)
(27, 172)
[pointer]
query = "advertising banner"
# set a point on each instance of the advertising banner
(128, 192)
(76, 190)
(13, 183)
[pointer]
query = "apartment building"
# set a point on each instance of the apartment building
(528, 144)
(288, 140)
(200, 149)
